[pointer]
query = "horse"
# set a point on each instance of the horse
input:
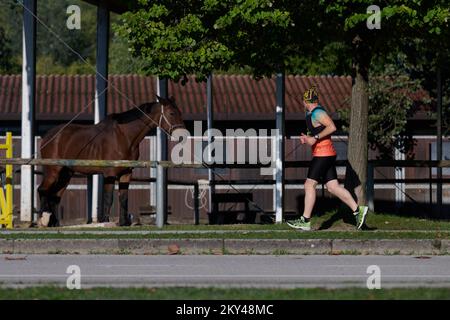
(117, 137)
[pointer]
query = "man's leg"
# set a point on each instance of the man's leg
(310, 197)
(314, 173)
(360, 212)
(335, 189)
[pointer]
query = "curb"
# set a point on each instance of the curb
(225, 246)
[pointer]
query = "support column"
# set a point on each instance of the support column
(279, 175)
(210, 121)
(399, 186)
(153, 171)
(161, 179)
(370, 186)
(101, 97)
(28, 107)
(439, 142)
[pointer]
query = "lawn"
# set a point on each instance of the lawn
(56, 293)
(327, 226)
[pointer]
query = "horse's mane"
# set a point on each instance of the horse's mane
(133, 113)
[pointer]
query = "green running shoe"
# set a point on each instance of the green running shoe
(361, 216)
(300, 224)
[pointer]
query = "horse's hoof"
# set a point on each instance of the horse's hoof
(45, 219)
(103, 219)
(135, 221)
(53, 222)
(125, 223)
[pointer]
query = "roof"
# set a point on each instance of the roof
(235, 97)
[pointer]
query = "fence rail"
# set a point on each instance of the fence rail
(98, 163)
(170, 164)
(6, 196)
(288, 164)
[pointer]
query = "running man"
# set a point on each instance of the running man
(322, 168)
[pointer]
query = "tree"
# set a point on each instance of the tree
(178, 38)
(7, 63)
(393, 98)
(53, 57)
(400, 19)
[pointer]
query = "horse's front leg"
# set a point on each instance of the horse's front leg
(124, 183)
(108, 197)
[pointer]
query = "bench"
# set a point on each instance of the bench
(231, 216)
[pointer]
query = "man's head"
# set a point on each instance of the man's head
(311, 98)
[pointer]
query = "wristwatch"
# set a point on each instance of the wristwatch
(316, 136)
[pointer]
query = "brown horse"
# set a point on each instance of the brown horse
(117, 137)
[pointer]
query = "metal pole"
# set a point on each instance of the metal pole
(399, 186)
(196, 204)
(430, 172)
(280, 116)
(35, 215)
(101, 98)
(210, 121)
(161, 172)
(439, 141)
(28, 106)
(89, 195)
(153, 171)
(370, 187)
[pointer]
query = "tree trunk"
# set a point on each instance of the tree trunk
(357, 153)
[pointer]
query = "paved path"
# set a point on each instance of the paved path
(225, 270)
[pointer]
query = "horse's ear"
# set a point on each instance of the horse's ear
(163, 101)
(172, 99)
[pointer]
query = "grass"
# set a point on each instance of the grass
(328, 221)
(328, 226)
(292, 235)
(57, 293)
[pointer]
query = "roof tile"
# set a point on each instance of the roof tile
(236, 97)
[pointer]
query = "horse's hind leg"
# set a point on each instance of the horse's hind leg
(51, 176)
(124, 182)
(57, 191)
(108, 197)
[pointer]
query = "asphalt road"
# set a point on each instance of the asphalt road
(225, 270)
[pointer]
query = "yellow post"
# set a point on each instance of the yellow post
(6, 203)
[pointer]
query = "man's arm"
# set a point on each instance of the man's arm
(324, 119)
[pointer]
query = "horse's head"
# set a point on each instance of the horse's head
(170, 116)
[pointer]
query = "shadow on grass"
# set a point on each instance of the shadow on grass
(346, 217)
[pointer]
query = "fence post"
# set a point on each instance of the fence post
(210, 122)
(280, 125)
(196, 204)
(430, 173)
(101, 99)
(6, 202)
(28, 108)
(439, 142)
(370, 186)
(161, 172)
